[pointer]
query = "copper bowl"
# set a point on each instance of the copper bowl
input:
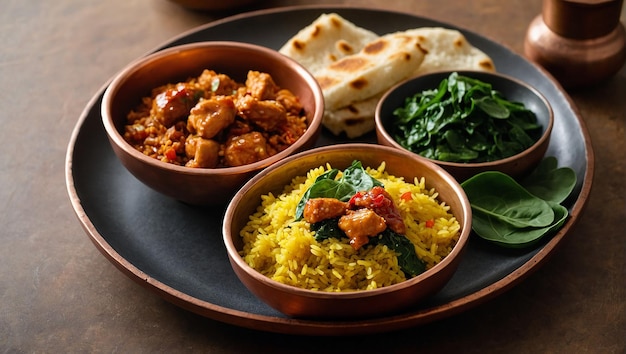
(512, 89)
(203, 186)
(299, 302)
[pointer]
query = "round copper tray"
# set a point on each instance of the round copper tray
(176, 250)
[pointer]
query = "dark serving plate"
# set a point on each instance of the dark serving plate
(176, 250)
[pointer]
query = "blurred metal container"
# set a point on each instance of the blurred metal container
(580, 42)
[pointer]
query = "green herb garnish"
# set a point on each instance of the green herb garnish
(464, 120)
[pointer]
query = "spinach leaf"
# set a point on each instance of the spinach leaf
(549, 182)
(461, 118)
(408, 260)
(328, 228)
(493, 193)
(507, 235)
(353, 180)
(499, 196)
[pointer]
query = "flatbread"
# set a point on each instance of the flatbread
(374, 69)
(446, 49)
(354, 120)
(327, 39)
(355, 66)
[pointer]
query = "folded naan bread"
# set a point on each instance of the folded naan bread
(350, 106)
(374, 69)
(327, 39)
(447, 49)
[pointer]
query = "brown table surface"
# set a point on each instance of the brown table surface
(59, 294)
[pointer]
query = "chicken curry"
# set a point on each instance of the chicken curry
(213, 121)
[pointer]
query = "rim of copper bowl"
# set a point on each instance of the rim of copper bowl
(545, 135)
(447, 177)
(136, 65)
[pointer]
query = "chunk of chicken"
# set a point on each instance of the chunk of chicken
(318, 209)
(245, 149)
(379, 200)
(202, 152)
(288, 100)
(265, 114)
(211, 116)
(261, 86)
(359, 225)
(173, 104)
(217, 84)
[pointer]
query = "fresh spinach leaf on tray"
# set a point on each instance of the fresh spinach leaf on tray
(549, 182)
(514, 215)
(498, 196)
(501, 233)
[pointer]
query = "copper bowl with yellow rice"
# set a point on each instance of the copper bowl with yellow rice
(279, 287)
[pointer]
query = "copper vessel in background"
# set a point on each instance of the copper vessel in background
(580, 42)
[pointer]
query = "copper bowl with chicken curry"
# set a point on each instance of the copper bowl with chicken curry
(196, 121)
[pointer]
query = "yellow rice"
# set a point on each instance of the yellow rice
(285, 250)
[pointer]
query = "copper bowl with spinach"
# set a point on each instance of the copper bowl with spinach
(467, 122)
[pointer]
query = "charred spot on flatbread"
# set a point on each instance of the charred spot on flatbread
(486, 64)
(345, 47)
(298, 45)
(375, 47)
(422, 49)
(316, 31)
(325, 81)
(336, 22)
(359, 84)
(350, 64)
(404, 56)
(352, 108)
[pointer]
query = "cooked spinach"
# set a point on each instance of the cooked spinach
(408, 260)
(353, 179)
(464, 120)
(514, 215)
(328, 228)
